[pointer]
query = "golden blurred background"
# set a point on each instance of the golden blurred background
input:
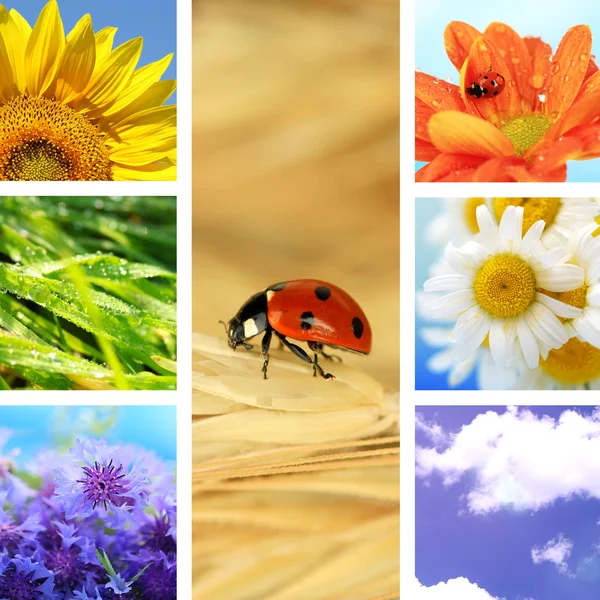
(295, 158)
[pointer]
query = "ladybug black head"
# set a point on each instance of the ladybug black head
(249, 321)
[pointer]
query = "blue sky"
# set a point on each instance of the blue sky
(465, 528)
(545, 20)
(153, 427)
(154, 20)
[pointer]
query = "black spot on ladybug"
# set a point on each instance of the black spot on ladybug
(278, 286)
(495, 93)
(322, 292)
(485, 77)
(306, 320)
(484, 90)
(357, 327)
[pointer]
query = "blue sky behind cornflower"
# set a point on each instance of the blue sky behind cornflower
(154, 20)
(494, 550)
(548, 21)
(33, 427)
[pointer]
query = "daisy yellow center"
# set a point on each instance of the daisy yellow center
(575, 363)
(525, 132)
(504, 286)
(471, 213)
(43, 140)
(534, 209)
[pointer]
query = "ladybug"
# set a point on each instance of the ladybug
(308, 310)
(487, 86)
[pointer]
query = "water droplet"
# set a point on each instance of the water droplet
(583, 56)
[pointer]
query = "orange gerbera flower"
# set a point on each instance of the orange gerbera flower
(547, 113)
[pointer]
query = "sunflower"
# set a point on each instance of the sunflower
(74, 108)
(499, 288)
(545, 113)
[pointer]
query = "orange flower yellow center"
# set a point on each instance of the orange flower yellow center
(534, 209)
(505, 286)
(576, 362)
(43, 140)
(526, 131)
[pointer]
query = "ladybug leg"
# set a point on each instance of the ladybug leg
(301, 354)
(317, 347)
(264, 347)
(317, 369)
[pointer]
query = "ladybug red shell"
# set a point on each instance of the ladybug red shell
(487, 86)
(308, 310)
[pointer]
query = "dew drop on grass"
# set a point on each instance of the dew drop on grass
(39, 294)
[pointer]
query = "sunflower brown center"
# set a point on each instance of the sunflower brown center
(43, 140)
(534, 209)
(575, 363)
(504, 286)
(525, 132)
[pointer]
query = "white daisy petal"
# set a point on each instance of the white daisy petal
(440, 362)
(593, 295)
(549, 259)
(508, 233)
(501, 339)
(566, 311)
(487, 228)
(528, 344)
(460, 371)
(587, 332)
(532, 237)
(436, 336)
(561, 278)
(454, 303)
(544, 324)
(471, 329)
(447, 283)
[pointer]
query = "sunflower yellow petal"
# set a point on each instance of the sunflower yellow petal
(104, 43)
(44, 50)
(15, 43)
(111, 77)
(77, 63)
(22, 25)
(155, 95)
(146, 122)
(8, 88)
(155, 172)
(141, 81)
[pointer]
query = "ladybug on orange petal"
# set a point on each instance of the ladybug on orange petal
(487, 86)
(307, 310)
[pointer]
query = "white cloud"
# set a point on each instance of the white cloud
(454, 588)
(556, 551)
(432, 430)
(518, 460)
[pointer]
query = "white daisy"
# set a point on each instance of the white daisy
(489, 375)
(496, 289)
(574, 366)
(562, 216)
(456, 222)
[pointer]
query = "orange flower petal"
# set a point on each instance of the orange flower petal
(512, 168)
(588, 138)
(425, 150)
(568, 70)
(422, 115)
(457, 167)
(592, 68)
(583, 112)
(556, 154)
(518, 61)
(438, 94)
(541, 55)
(458, 39)
(453, 131)
(592, 83)
(485, 58)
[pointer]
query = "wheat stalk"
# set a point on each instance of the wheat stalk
(295, 480)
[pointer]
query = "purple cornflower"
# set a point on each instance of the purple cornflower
(23, 579)
(104, 483)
